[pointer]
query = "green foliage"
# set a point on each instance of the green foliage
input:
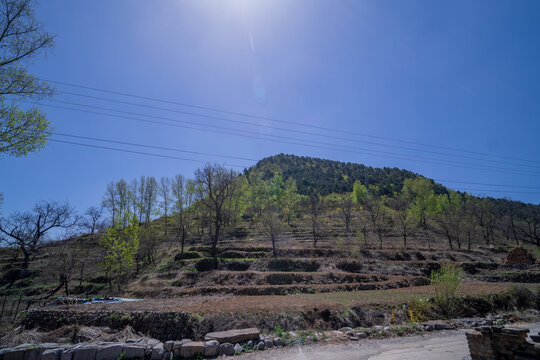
(121, 245)
(359, 192)
(23, 38)
(278, 331)
(446, 281)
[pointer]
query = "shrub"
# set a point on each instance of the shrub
(187, 255)
(446, 281)
(278, 331)
(417, 309)
(350, 266)
(281, 264)
(207, 264)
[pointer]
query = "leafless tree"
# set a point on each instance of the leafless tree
(28, 229)
(315, 207)
(271, 225)
(217, 184)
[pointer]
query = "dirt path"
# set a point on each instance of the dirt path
(447, 345)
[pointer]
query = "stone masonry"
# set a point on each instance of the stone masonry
(497, 342)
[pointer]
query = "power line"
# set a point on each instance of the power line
(327, 136)
(152, 147)
(238, 166)
(255, 160)
(327, 146)
(138, 152)
(286, 122)
(477, 183)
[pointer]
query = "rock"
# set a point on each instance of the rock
(85, 352)
(386, 328)
(153, 342)
(167, 355)
(15, 354)
(238, 349)
(277, 341)
(157, 352)
(250, 344)
(67, 354)
(378, 328)
(361, 335)
(292, 334)
(109, 352)
(177, 345)
(346, 329)
(226, 349)
(234, 336)
(3, 351)
(51, 354)
(211, 348)
(168, 346)
(443, 326)
(268, 343)
(192, 349)
(261, 346)
(428, 327)
(134, 351)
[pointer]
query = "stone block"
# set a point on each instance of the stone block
(134, 351)
(226, 349)
(86, 352)
(52, 354)
(110, 352)
(234, 336)
(192, 349)
(15, 354)
(157, 352)
(211, 348)
(238, 349)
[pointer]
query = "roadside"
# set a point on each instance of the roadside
(444, 345)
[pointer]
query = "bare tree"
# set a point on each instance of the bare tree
(315, 207)
(378, 216)
(183, 193)
(272, 225)
(405, 222)
(217, 184)
(165, 193)
(27, 230)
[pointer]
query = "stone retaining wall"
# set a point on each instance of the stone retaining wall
(160, 325)
(497, 342)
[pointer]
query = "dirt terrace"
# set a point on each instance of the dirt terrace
(301, 302)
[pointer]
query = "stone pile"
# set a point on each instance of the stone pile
(216, 344)
(519, 256)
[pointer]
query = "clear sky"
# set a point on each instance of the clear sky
(455, 74)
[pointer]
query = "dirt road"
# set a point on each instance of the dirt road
(447, 345)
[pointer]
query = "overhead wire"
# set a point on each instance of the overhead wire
(310, 143)
(348, 132)
(326, 136)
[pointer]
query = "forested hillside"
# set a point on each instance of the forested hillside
(314, 175)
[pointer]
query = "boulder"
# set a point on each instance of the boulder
(238, 349)
(85, 352)
(261, 346)
(15, 354)
(277, 341)
(177, 345)
(109, 352)
(134, 351)
(192, 349)
(67, 354)
(52, 354)
(226, 349)
(234, 336)
(211, 348)
(157, 352)
(168, 345)
(268, 343)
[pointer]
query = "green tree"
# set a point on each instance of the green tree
(450, 216)
(292, 200)
(359, 192)
(420, 191)
(121, 245)
(22, 39)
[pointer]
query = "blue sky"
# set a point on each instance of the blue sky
(457, 74)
